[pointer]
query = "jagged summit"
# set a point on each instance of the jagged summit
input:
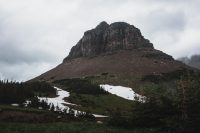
(103, 25)
(107, 38)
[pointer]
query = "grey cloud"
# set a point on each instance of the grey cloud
(163, 27)
(12, 54)
(162, 20)
(22, 71)
(36, 35)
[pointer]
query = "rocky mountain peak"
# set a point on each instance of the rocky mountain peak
(107, 38)
(102, 26)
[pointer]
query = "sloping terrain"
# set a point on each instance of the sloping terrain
(115, 54)
(122, 67)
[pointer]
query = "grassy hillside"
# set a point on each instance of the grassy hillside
(172, 105)
(101, 104)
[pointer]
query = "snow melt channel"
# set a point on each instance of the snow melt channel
(59, 100)
(124, 92)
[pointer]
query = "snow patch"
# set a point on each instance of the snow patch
(124, 92)
(15, 105)
(26, 103)
(99, 116)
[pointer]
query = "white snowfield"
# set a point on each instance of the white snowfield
(124, 92)
(59, 101)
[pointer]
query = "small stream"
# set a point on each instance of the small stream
(59, 100)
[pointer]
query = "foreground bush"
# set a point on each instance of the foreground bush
(177, 111)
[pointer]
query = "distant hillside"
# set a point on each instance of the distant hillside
(193, 61)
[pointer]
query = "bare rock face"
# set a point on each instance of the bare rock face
(107, 38)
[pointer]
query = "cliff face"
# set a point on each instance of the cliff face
(107, 38)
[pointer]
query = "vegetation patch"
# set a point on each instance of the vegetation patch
(166, 111)
(81, 86)
(101, 104)
(164, 77)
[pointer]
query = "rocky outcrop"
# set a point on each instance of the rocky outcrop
(107, 38)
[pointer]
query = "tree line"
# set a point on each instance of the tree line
(18, 92)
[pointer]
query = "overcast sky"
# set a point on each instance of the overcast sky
(35, 35)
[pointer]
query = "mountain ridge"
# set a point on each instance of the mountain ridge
(193, 61)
